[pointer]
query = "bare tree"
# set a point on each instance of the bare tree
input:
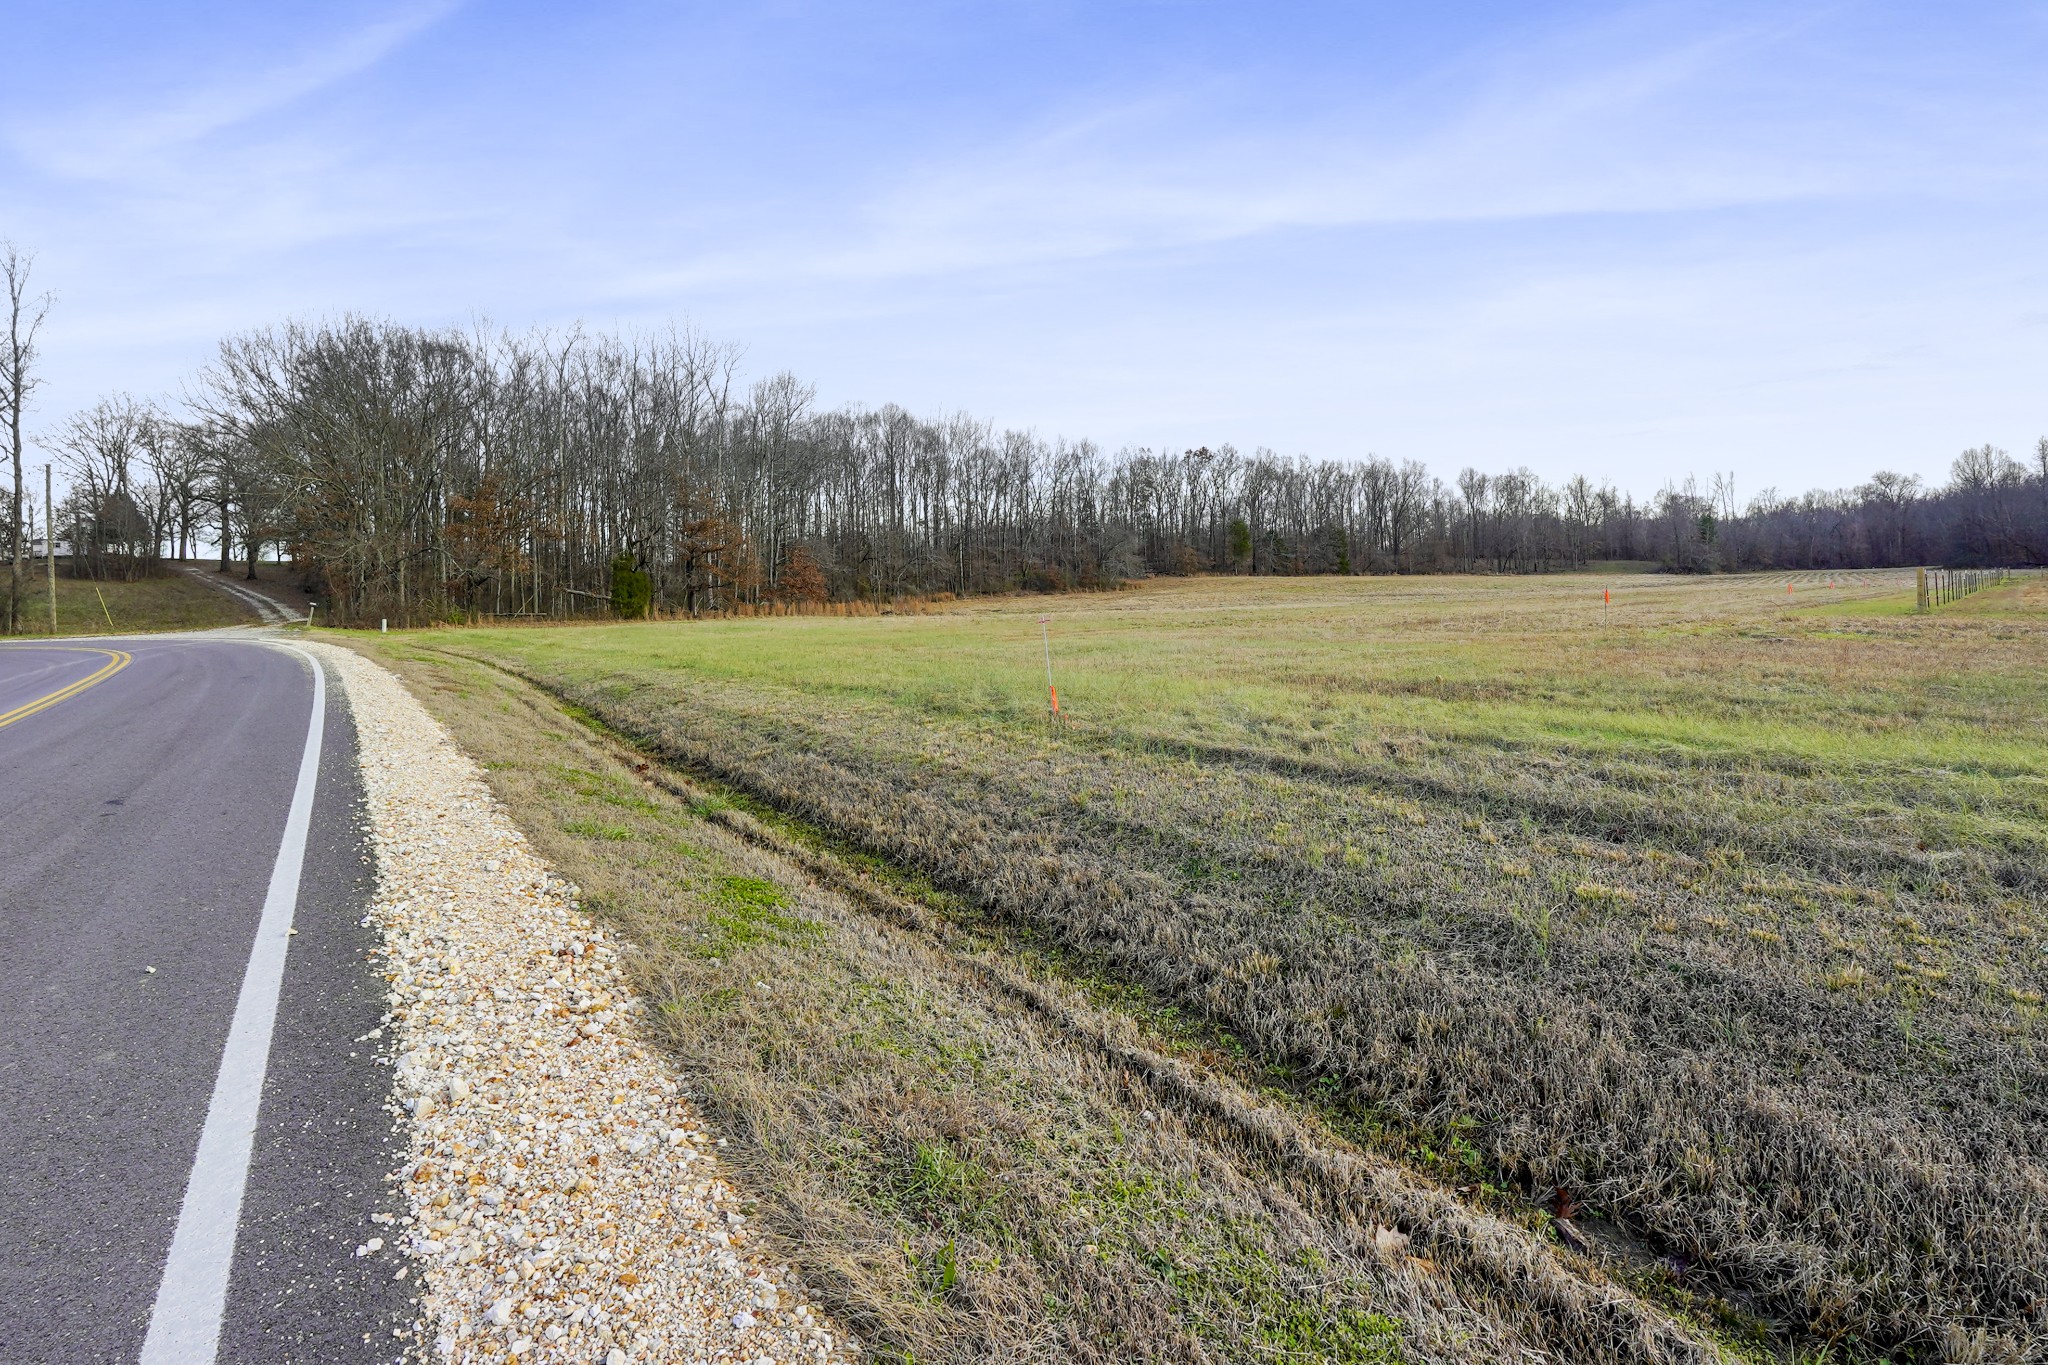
(1888, 499)
(176, 455)
(106, 453)
(25, 315)
(422, 475)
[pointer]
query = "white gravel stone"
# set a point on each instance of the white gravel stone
(563, 1204)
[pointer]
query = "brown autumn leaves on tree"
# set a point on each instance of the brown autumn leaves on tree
(802, 579)
(711, 550)
(712, 556)
(483, 542)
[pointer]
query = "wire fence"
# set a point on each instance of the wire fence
(1939, 587)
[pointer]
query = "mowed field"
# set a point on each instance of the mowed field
(1514, 971)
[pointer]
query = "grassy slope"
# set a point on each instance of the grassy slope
(1775, 872)
(174, 602)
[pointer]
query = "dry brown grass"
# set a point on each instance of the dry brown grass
(968, 1158)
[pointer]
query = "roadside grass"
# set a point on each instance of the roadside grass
(1721, 917)
(970, 1153)
(150, 605)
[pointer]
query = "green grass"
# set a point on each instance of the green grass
(594, 829)
(2021, 598)
(751, 911)
(1671, 906)
(1330, 661)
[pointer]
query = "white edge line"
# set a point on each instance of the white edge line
(191, 1300)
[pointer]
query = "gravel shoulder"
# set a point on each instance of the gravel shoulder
(564, 1199)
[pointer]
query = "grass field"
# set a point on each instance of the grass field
(173, 602)
(1693, 946)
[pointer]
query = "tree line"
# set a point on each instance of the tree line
(420, 474)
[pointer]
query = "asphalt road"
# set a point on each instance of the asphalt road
(143, 820)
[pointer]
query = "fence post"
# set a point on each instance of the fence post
(1920, 577)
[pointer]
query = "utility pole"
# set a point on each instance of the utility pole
(50, 545)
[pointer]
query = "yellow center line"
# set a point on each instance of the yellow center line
(117, 659)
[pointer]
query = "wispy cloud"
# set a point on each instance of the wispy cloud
(113, 142)
(1598, 121)
(1431, 230)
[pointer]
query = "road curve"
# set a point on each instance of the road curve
(51, 674)
(141, 818)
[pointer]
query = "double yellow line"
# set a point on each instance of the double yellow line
(117, 659)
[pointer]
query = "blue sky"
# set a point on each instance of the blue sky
(1798, 242)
